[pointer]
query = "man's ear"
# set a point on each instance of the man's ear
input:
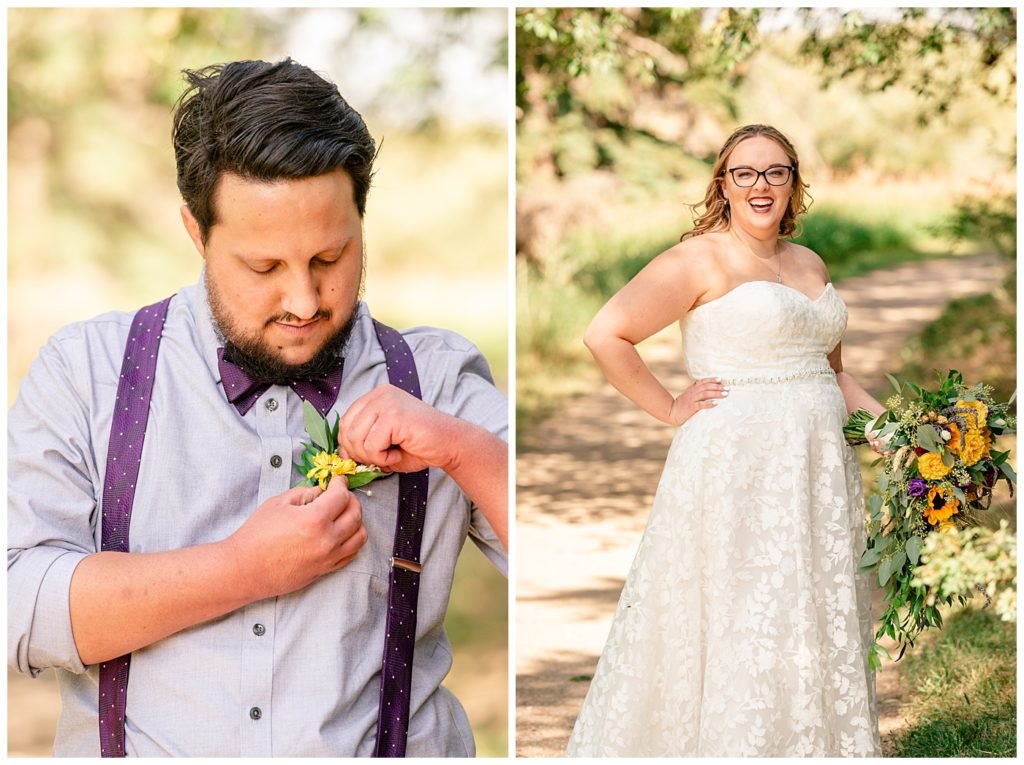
(192, 227)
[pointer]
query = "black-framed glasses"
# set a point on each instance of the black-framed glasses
(776, 175)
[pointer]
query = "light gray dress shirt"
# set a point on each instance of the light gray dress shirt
(308, 661)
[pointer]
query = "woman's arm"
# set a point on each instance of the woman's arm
(854, 395)
(660, 294)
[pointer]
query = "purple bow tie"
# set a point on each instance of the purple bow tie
(242, 390)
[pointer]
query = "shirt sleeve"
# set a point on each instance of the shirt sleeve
(51, 503)
(467, 391)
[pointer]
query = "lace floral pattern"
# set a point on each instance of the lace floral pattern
(743, 628)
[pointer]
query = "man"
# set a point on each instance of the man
(255, 615)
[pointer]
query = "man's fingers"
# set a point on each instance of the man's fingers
(349, 519)
(343, 562)
(351, 533)
(353, 436)
(302, 495)
(379, 438)
(369, 439)
(336, 498)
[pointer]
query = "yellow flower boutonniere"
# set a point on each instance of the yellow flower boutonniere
(320, 458)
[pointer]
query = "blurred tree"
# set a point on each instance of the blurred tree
(646, 50)
(638, 100)
(911, 45)
(619, 91)
(91, 109)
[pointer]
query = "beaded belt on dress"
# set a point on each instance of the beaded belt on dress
(804, 374)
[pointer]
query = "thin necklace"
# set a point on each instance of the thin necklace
(778, 252)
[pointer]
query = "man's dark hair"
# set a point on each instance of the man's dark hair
(265, 122)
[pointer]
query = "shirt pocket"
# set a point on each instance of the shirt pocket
(379, 503)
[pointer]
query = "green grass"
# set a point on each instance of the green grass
(963, 682)
(551, 361)
(852, 246)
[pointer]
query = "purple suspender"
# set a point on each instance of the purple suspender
(124, 454)
(400, 637)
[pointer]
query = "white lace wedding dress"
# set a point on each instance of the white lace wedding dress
(742, 629)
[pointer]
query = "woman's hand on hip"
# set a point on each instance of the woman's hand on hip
(703, 394)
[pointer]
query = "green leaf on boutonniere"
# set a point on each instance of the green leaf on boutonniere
(316, 426)
(320, 460)
(356, 480)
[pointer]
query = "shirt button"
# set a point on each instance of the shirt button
(271, 404)
(255, 713)
(275, 461)
(259, 630)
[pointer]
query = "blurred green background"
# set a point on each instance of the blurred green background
(94, 225)
(904, 121)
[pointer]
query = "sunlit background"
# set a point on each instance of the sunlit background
(94, 223)
(904, 120)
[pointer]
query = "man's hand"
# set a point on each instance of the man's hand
(298, 536)
(396, 431)
(287, 543)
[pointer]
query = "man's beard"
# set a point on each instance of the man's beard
(258, 360)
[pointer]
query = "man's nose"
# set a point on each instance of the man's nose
(302, 297)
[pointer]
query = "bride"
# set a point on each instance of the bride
(743, 627)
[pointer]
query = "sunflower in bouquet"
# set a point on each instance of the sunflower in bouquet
(938, 474)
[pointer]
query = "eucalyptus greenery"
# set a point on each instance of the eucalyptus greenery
(918, 421)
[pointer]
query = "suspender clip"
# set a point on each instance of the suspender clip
(408, 565)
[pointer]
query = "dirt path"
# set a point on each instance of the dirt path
(586, 479)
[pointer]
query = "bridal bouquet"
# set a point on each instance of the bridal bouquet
(938, 474)
(320, 458)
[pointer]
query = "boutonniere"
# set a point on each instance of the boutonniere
(320, 458)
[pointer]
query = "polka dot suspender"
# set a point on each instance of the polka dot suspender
(403, 583)
(124, 455)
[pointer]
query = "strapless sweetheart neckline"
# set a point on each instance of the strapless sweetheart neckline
(772, 284)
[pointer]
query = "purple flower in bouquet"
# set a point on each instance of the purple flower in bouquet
(916, 487)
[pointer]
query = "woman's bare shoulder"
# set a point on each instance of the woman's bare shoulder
(808, 259)
(696, 255)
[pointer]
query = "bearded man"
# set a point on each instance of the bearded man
(190, 601)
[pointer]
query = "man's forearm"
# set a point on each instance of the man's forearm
(479, 466)
(121, 602)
